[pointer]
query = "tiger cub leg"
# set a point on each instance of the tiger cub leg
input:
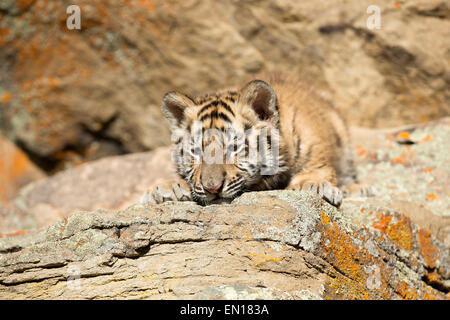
(172, 190)
(321, 181)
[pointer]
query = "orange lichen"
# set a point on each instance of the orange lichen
(422, 293)
(3, 34)
(428, 250)
(341, 287)
(324, 218)
(53, 82)
(19, 165)
(263, 258)
(23, 4)
(399, 160)
(397, 4)
(15, 169)
(406, 292)
(6, 97)
(147, 4)
(361, 153)
(259, 258)
(17, 233)
(64, 225)
(346, 257)
(401, 233)
(382, 221)
(353, 281)
(403, 135)
(431, 196)
(427, 138)
(428, 170)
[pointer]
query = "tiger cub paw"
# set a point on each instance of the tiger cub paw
(359, 190)
(173, 190)
(323, 189)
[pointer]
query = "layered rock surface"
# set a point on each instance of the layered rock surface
(273, 245)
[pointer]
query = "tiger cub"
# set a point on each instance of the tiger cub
(264, 136)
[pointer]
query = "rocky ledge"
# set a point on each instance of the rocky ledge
(58, 244)
(273, 245)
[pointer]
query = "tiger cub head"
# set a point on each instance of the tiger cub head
(224, 143)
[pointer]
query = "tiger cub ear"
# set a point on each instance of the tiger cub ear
(262, 99)
(174, 105)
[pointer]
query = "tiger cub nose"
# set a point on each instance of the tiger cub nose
(213, 187)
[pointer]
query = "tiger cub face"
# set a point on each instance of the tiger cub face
(225, 143)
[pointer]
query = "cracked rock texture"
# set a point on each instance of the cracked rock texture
(264, 245)
(272, 245)
(70, 96)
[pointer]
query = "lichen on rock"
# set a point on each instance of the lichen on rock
(284, 241)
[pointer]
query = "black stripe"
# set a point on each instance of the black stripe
(234, 185)
(224, 117)
(242, 168)
(208, 106)
(297, 151)
(213, 104)
(246, 145)
(215, 115)
(269, 141)
(231, 98)
(205, 98)
(234, 182)
(227, 107)
(204, 117)
(234, 189)
(338, 141)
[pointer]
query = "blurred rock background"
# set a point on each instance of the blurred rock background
(72, 96)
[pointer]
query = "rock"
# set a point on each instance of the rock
(16, 222)
(16, 170)
(271, 245)
(71, 96)
(408, 164)
(108, 183)
(417, 187)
